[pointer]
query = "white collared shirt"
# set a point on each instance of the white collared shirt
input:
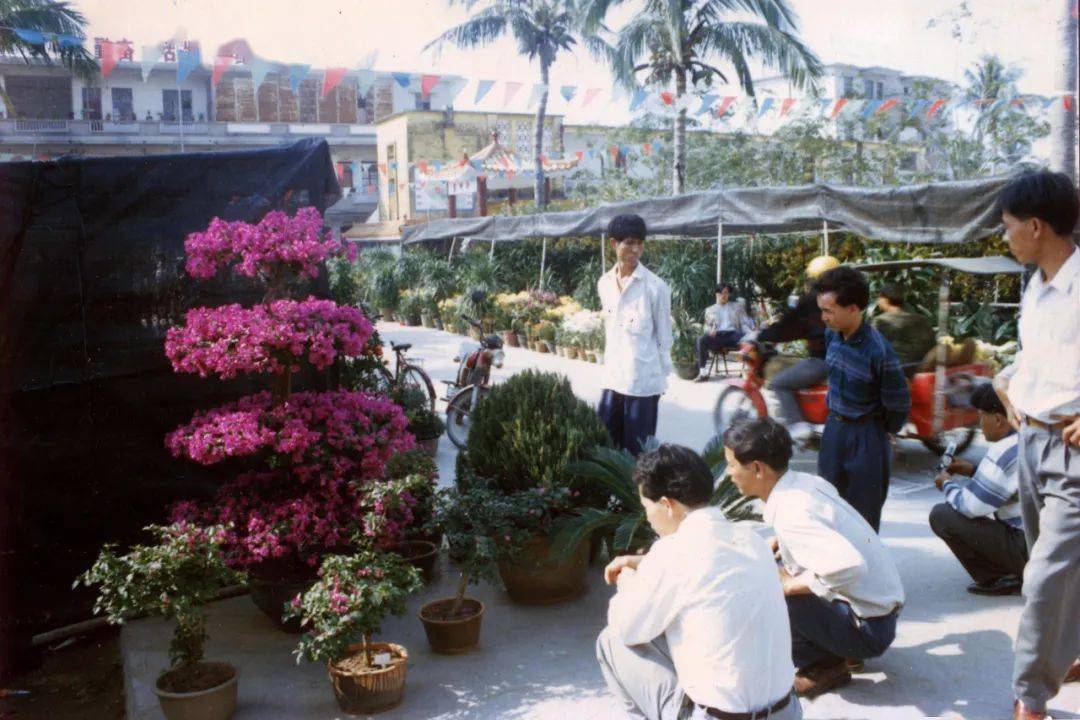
(1044, 380)
(637, 328)
(826, 542)
(712, 590)
(728, 317)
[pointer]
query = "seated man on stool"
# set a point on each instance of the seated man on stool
(698, 627)
(980, 519)
(843, 591)
(725, 324)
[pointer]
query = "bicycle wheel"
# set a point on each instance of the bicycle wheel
(459, 414)
(414, 376)
(383, 380)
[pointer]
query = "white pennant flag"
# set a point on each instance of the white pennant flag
(364, 80)
(150, 56)
(259, 70)
(538, 90)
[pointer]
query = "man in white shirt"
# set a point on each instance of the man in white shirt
(725, 324)
(698, 627)
(1041, 392)
(842, 589)
(637, 346)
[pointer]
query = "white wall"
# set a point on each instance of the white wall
(145, 96)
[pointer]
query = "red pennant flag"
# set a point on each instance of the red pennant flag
(614, 150)
(510, 175)
(887, 105)
(590, 95)
(722, 108)
(667, 97)
(220, 64)
(1067, 101)
(543, 159)
(422, 164)
(427, 83)
(382, 168)
(580, 155)
(511, 90)
(647, 147)
(838, 107)
(110, 56)
(331, 78)
(934, 108)
(785, 107)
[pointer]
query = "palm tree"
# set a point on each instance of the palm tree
(674, 40)
(46, 16)
(541, 28)
(989, 81)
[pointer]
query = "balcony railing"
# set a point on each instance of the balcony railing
(83, 128)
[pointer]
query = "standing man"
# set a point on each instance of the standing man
(725, 324)
(910, 334)
(698, 628)
(637, 344)
(1041, 392)
(868, 395)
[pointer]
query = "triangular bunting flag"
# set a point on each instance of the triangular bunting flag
(568, 92)
(110, 56)
(935, 108)
(647, 148)
(590, 95)
(1067, 101)
(35, 37)
(297, 73)
(259, 70)
(707, 101)
(724, 105)
(667, 97)
(580, 155)
(364, 80)
(537, 92)
(483, 87)
(453, 89)
(869, 107)
(838, 107)
(511, 90)
(638, 99)
(220, 65)
(785, 107)
(427, 84)
(150, 56)
(368, 61)
(887, 105)
(186, 62)
(331, 79)
(917, 107)
(766, 105)
(402, 78)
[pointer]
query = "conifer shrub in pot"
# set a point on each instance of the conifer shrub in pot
(524, 434)
(340, 614)
(175, 579)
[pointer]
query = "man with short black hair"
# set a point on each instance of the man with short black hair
(725, 324)
(637, 341)
(910, 334)
(842, 589)
(1041, 393)
(698, 628)
(980, 520)
(868, 395)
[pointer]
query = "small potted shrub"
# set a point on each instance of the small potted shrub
(453, 624)
(428, 309)
(426, 427)
(684, 348)
(386, 290)
(175, 579)
(410, 307)
(341, 613)
(397, 504)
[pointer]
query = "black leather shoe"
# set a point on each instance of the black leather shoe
(1008, 585)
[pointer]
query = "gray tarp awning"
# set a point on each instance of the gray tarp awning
(949, 212)
(994, 265)
(354, 208)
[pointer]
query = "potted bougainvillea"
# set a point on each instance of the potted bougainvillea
(308, 462)
(341, 612)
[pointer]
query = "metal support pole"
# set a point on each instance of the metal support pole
(543, 261)
(452, 241)
(824, 237)
(942, 355)
(603, 253)
(719, 251)
(491, 252)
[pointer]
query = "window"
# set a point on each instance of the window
(91, 103)
(345, 175)
(849, 86)
(169, 103)
(880, 91)
(421, 103)
(392, 181)
(123, 105)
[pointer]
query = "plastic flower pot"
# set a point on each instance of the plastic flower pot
(359, 689)
(535, 577)
(422, 555)
(452, 635)
(183, 697)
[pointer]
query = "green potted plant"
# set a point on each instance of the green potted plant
(684, 347)
(341, 613)
(546, 333)
(424, 424)
(523, 436)
(410, 307)
(386, 289)
(428, 309)
(174, 578)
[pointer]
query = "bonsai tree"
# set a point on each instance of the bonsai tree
(353, 595)
(174, 578)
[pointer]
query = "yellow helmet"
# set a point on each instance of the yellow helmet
(820, 265)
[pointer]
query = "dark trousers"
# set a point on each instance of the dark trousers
(629, 419)
(987, 548)
(855, 457)
(719, 341)
(824, 633)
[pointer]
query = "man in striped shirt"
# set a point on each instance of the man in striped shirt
(980, 519)
(868, 395)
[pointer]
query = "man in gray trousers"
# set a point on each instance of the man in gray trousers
(1041, 392)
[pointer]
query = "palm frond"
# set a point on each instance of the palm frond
(569, 531)
(484, 27)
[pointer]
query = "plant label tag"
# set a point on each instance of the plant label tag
(382, 659)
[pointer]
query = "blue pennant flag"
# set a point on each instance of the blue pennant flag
(483, 87)
(568, 92)
(403, 79)
(917, 107)
(638, 99)
(186, 62)
(766, 105)
(707, 101)
(34, 37)
(69, 41)
(871, 106)
(297, 73)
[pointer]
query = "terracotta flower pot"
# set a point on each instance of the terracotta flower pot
(387, 315)
(537, 578)
(452, 635)
(685, 370)
(359, 690)
(422, 555)
(572, 353)
(510, 338)
(543, 347)
(217, 702)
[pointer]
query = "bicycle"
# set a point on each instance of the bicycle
(406, 374)
(472, 383)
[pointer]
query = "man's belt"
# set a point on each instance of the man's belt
(758, 715)
(1050, 427)
(867, 418)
